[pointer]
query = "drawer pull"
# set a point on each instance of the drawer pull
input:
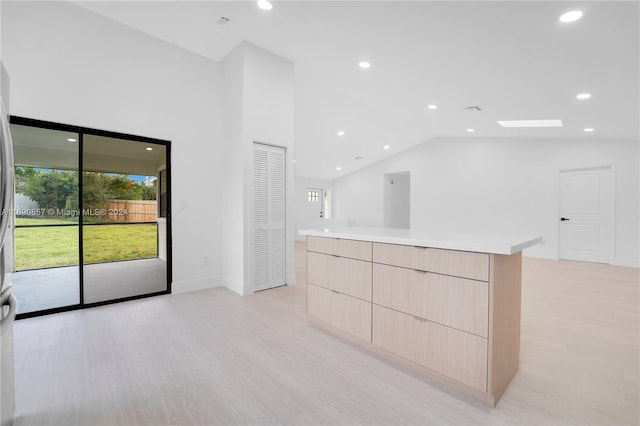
(335, 255)
(420, 271)
(419, 319)
(420, 247)
(336, 292)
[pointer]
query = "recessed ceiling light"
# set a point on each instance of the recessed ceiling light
(265, 4)
(432, 106)
(589, 129)
(364, 64)
(72, 140)
(338, 168)
(471, 130)
(341, 133)
(572, 16)
(386, 147)
(531, 123)
(149, 148)
(584, 96)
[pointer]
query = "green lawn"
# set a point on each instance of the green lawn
(49, 246)
(44, 220)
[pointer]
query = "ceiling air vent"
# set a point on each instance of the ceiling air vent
(223, 20)
(472, 108)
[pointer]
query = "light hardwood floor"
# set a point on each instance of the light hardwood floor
(213, 357)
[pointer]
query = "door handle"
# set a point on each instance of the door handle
(562, 219)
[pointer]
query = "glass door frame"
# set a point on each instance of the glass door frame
(81, 131)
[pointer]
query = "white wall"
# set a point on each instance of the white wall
(71, 66)
(505, 186)
(269, 115)
(259, 107)
(4, 77)
(234, 152)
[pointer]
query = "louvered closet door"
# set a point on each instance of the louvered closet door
(268, 216)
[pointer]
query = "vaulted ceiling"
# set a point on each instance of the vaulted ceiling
(513, 59)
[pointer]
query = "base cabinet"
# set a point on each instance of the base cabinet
(452, 353)
(449, 262)
(342, 274)
(456, 302)
(452, 314)
(340, 310)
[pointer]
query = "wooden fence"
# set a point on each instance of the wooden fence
(132, 211)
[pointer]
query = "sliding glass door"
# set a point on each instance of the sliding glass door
(92, 217)
(120, 228)
(46, 233)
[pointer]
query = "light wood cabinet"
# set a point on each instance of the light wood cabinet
(340, 310)
(449, 262)
(339, 283)
(348, 276)
(453, 353)
(453, 315)
(455, 302)
(353, 249)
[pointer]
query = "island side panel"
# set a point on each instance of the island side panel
(505, 290)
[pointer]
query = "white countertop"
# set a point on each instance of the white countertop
(451, 240)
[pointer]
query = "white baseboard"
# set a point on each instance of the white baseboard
(542, 254)
(235, 286)
(632, 263)
(195, 285)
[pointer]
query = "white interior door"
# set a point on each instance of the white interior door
(314, 203)
(269, 230)
(587, 214)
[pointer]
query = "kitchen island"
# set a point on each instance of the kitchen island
(444, 304)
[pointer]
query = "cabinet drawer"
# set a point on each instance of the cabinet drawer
(449, 262)
(340, 247)
(344, 312)
(456, 302)
(349, 276)
(458, 355)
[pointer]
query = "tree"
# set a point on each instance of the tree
(56, 189)
(95, 190)
(149, 191)
(121, 187)
(59, 188)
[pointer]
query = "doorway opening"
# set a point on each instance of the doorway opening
(90, 224)
(397, 200)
